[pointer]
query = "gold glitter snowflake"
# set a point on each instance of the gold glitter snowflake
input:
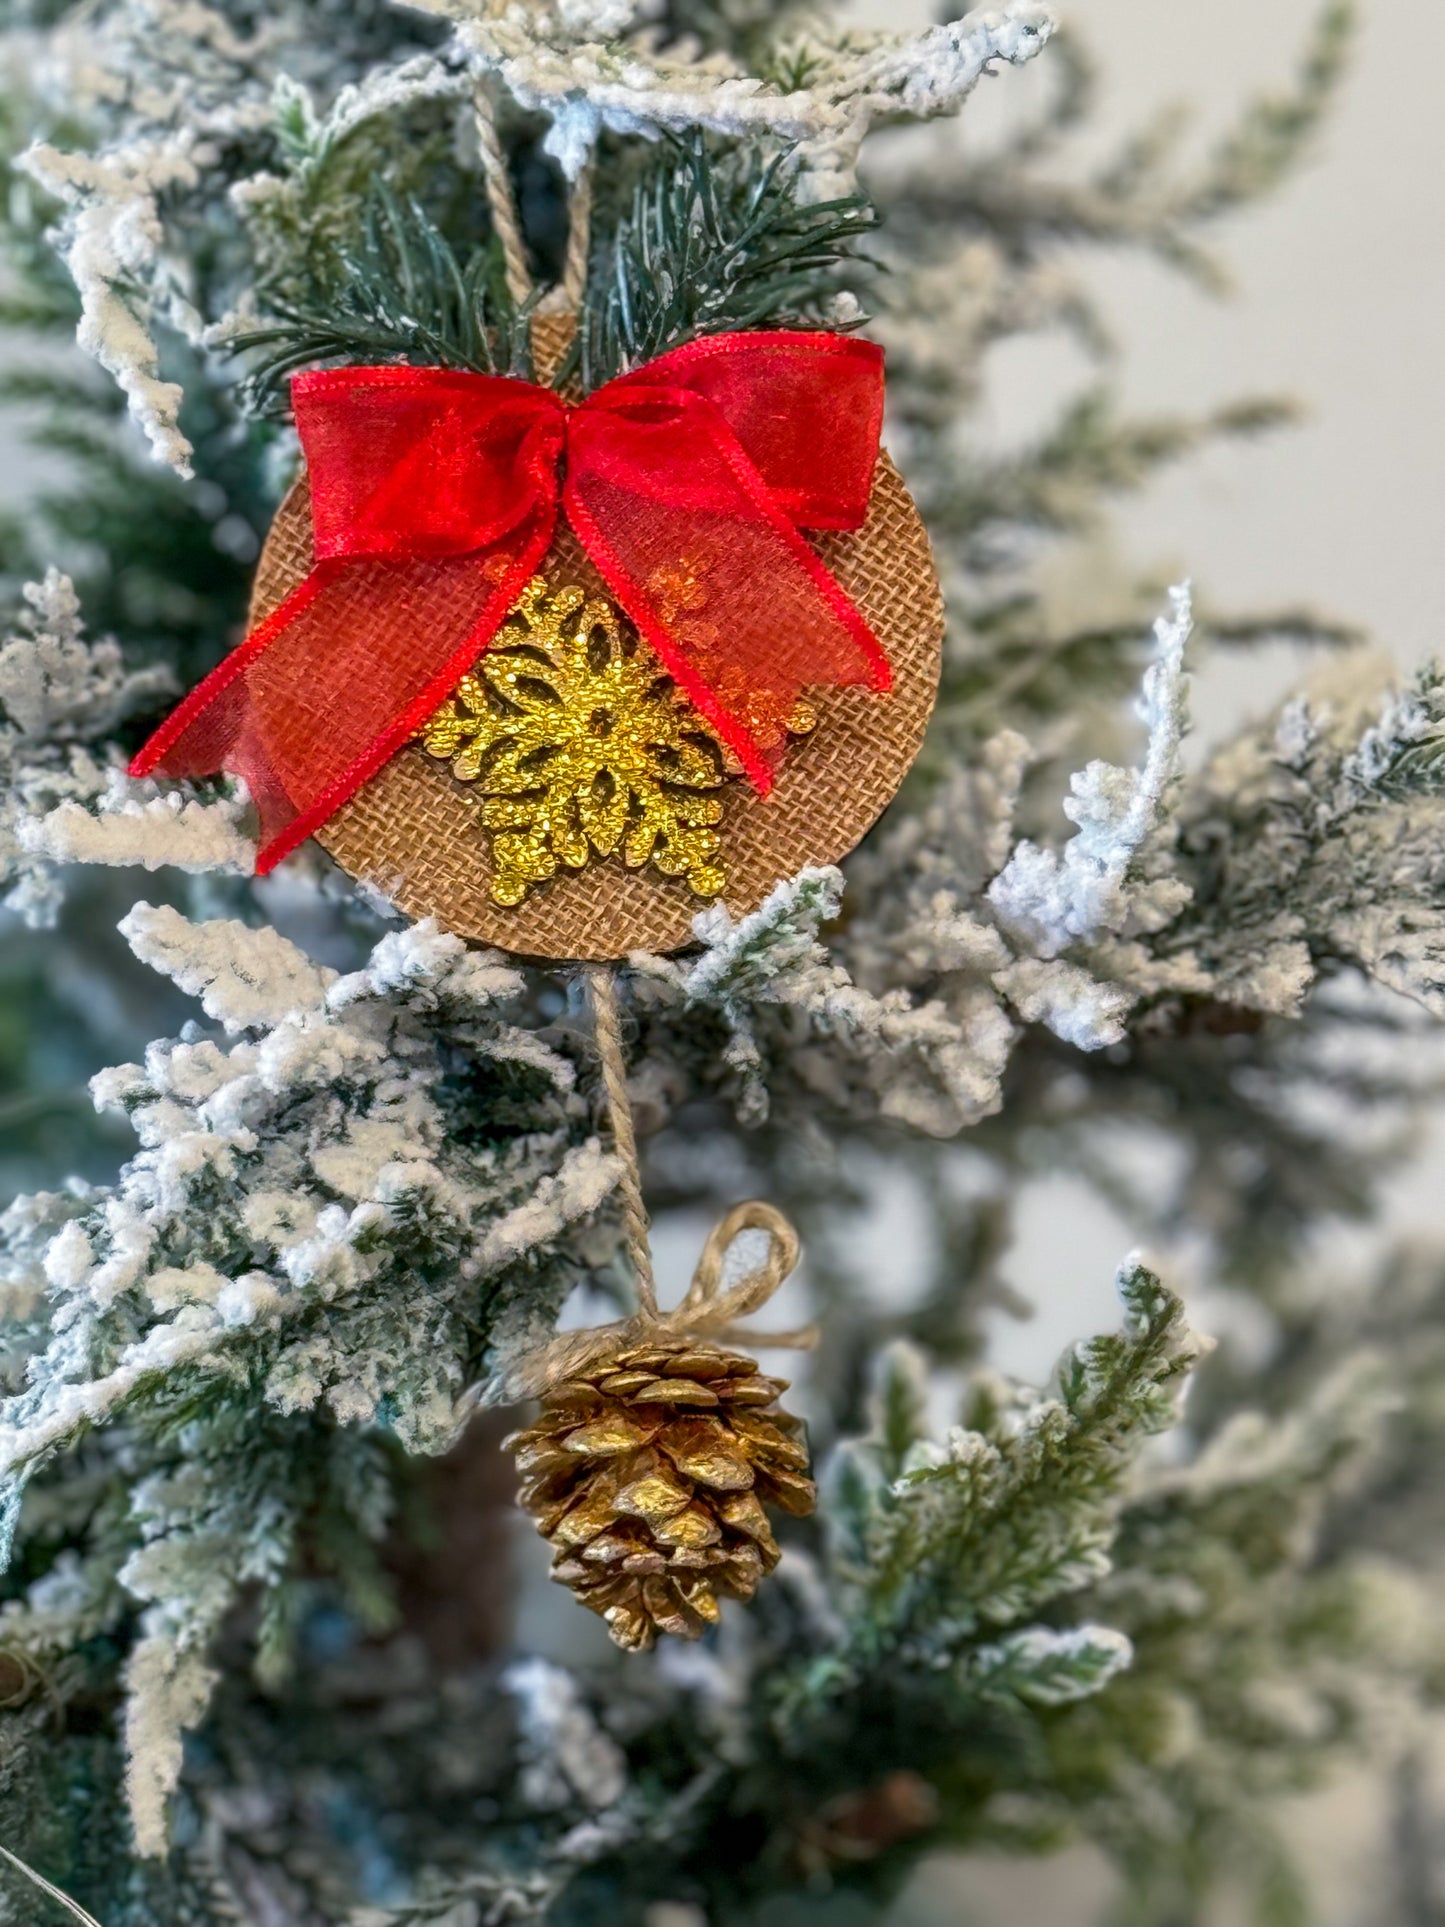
(581, 747)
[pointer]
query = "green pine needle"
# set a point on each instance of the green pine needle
(406, 296)
(707, 244)
(710, 243)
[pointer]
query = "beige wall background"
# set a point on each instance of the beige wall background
(1340, 289)
(1339, 298)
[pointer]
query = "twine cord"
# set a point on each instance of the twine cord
(607, 1028)
(502, 201)
(710, 1309)
(573, 284)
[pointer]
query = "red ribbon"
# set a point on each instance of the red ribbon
(435, 496)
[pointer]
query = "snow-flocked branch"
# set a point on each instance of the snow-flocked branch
(569, 63)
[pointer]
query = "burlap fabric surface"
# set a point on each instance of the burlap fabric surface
(414, 831)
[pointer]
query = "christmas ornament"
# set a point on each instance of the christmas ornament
(729, 506)
(660, 1446)
(554, 668)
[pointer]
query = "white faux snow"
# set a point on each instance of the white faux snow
(245, 978)
(567, 64)
(1053, 901)
(133, 822)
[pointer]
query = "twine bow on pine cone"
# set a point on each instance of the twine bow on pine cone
(710, 1310)
(659, 1449)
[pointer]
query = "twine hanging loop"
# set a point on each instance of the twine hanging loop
(710, 1310)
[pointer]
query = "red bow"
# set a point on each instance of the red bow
(434, 498)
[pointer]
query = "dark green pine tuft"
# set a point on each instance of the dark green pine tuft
(706, 243)
(405, 294)
(710, 242)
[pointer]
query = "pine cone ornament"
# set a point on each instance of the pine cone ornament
(649, 1474)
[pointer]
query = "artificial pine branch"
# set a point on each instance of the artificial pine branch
(404, 294)
(934, 1545)
(712, 242)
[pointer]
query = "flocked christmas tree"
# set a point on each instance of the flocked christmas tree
(260, 1657)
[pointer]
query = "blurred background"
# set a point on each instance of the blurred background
(1337, 300)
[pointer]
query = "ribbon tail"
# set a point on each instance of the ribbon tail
(209, 731)
(327, 688)
(643, 615)
(660, 501)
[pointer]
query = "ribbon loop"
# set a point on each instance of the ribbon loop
(434, 498)
(805, 409)
(418, 462)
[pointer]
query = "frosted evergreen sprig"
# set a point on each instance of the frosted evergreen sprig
(959, 935)
(182, 109)
(1096, 888)
(301, 1227)
(574, 64)
(400, 292)
(63, 703)
(932, 1545)
(1295, 864)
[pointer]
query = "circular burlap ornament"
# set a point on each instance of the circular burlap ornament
(414, 831)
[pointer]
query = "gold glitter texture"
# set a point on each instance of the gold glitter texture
(581, 748)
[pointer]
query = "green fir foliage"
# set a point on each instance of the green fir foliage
(399, 293)
(992, 1528)
(712, 240)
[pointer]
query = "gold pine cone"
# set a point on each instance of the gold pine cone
(648, 1476)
